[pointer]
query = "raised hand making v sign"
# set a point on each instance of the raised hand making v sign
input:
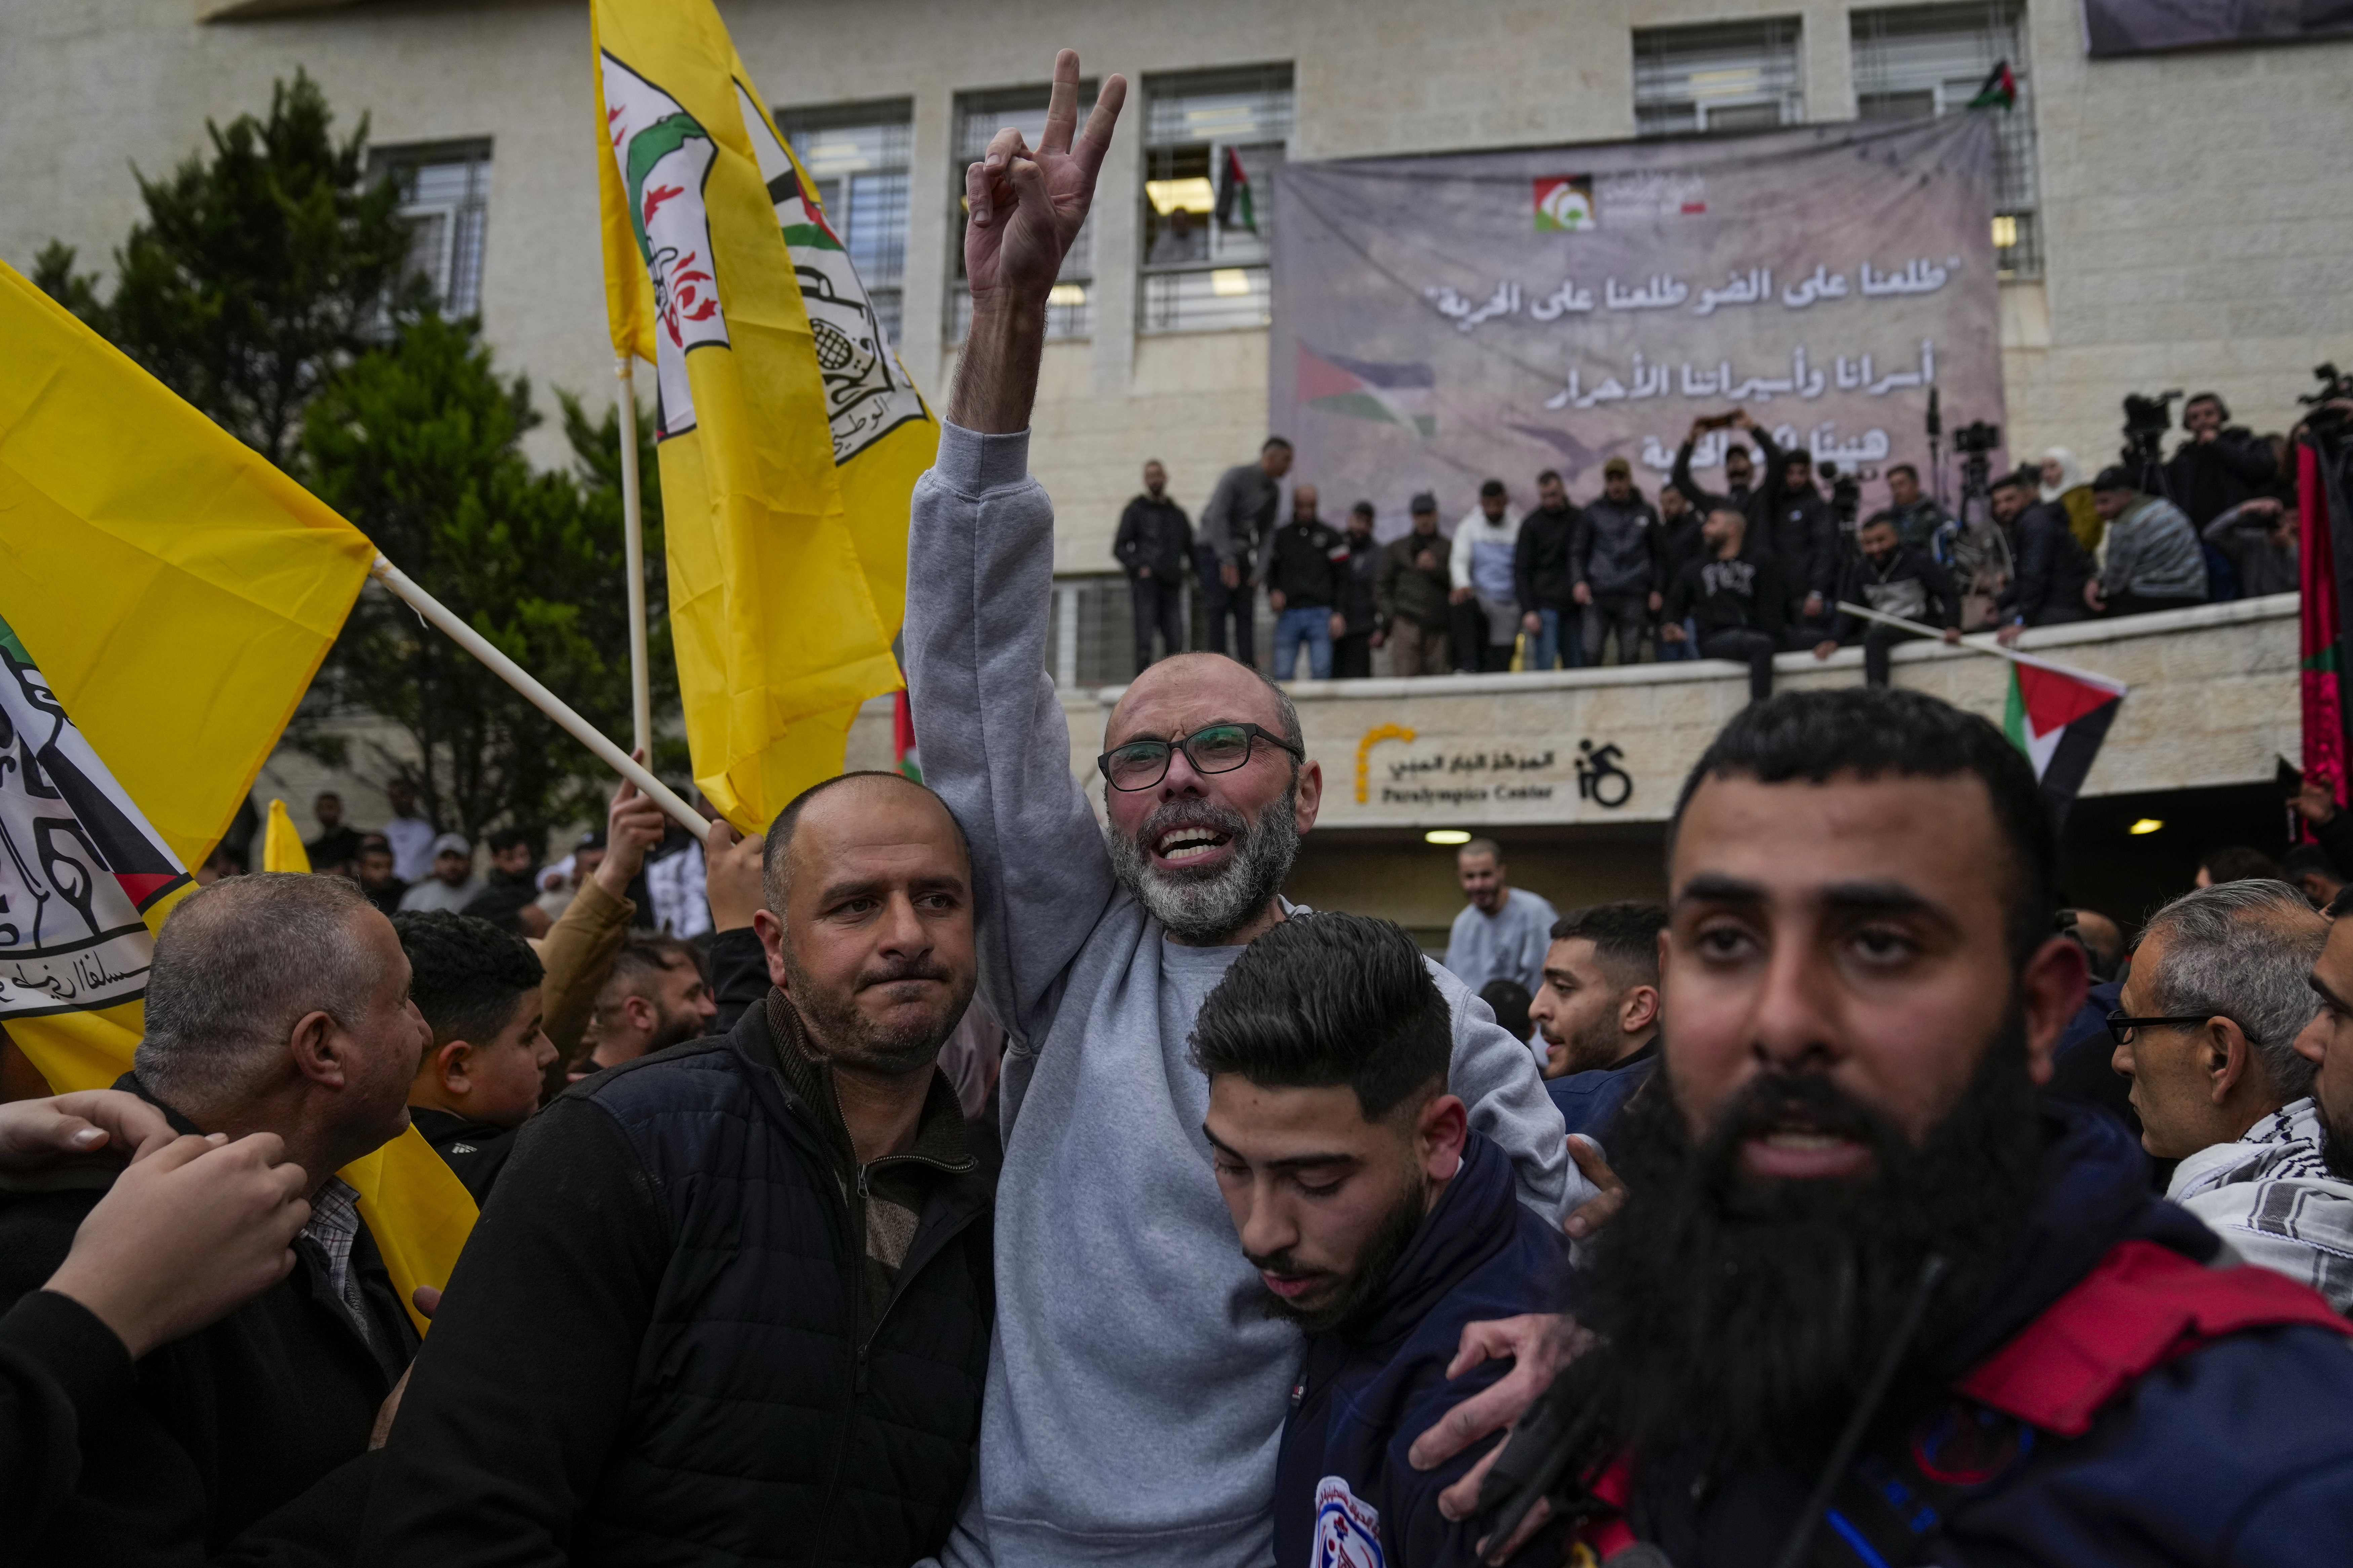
(1027, 205)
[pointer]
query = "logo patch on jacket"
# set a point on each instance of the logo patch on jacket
(1347, 1527)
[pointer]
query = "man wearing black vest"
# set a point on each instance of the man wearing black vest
(732, 1302)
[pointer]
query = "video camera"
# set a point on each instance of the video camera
(1846, 491)
(1977, 439)
(2147, 419)
(2325, 421)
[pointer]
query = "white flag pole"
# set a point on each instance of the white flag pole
(1984, 643)
(633, 541)
(547, 701)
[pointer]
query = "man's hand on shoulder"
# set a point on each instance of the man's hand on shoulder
(1539, 1344)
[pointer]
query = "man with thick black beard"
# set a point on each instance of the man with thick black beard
(1134, 1403)
(1864, 1293)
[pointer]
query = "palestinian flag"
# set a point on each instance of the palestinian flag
(2057, 718)
(1999, 92)
(2322, 645)
(1364, 389)
(905, 757)
(1235, 207)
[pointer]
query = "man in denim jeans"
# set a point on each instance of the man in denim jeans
(1303, 567)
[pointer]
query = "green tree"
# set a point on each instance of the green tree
(419, 444)
(259, 271)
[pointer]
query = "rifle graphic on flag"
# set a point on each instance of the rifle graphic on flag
(791, 437)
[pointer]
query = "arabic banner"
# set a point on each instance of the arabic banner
(1440, 320)
(2113, 27)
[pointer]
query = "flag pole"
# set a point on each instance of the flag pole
(547, 701)
(633, 542)
(1983, 644)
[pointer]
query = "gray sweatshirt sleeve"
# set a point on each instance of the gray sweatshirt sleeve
(980, 568)
(1496, 1077)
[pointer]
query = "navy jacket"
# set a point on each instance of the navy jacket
(2236, 1452)
(1360, 1402)
(1590, 1102)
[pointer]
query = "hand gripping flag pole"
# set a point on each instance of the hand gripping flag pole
(547, 701)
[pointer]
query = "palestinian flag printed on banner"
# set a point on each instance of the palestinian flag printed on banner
(1363, 389)
(1236, 209)
(2059, 718)
(79, 865)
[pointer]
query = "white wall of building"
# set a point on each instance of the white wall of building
(2193, 206)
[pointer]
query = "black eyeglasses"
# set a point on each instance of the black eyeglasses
(1211, 748)
(2120, 1028)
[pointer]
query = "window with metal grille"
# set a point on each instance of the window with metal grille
(857, 155)
(1919, 60)
(1718, 79)
(446, 191)
(1069, 309)
(1212, 142)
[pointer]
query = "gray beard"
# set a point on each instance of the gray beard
(1205, 910)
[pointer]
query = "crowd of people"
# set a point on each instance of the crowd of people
(1755, 568)
(998, 1185)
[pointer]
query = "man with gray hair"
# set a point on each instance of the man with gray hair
(278, 1004)
(2207, 1032)
(1143, 1436)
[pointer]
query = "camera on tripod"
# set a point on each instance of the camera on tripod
(1977, 440)
(1846, 491)
(2147, 419)
(2335, 386)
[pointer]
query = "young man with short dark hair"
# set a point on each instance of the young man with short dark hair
(1895, 579)
(1598, 1010)
(654, 996)
(1379, 1223)
(478, 987)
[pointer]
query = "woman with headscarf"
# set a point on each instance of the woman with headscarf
(2062, 482)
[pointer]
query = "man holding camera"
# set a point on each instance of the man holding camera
(2217, 467)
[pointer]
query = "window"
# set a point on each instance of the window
(1211, 145)
(1917, 60)
(447, 187)
(1070, 310)
(857, 155)
(1717, 79)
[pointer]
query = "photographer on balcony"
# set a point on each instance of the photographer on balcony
(2257, 537)
(2153, 560)
(2219, 466)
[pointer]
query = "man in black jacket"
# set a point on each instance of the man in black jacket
(2217, 467)
(1153, 541)
(1803, 538)
(1618, 567)
(1734, 598)
(1896, 581)
(276, 1003)
(2053, 568)
(1239, 515)
(478, 989)
(1302, 570)
(1543, 572)
(733, 1303)
(1351, 647)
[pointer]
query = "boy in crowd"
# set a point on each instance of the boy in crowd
(1377, 1220)
(478, 987)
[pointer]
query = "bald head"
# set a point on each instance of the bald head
(1210, 683)
(862, 803)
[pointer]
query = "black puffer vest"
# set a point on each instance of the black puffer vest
(776, 1424)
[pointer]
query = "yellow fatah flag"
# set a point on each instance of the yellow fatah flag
(281, 847)
(790, 435)
(167, 596)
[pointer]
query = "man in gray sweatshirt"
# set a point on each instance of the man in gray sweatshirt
(1136, 1393)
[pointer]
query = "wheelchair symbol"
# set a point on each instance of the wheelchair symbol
(1600, 779)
